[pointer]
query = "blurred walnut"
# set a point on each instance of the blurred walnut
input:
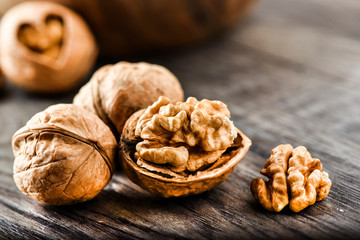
(45, 47)
(181, 149)
(63, 155)
(48, 41)
(294, 168)
(117, 91)
(1, 78)
(134, 26)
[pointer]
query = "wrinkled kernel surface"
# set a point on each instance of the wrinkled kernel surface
(186, 135)
(298, 170)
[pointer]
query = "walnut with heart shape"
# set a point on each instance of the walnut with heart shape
(45, 47)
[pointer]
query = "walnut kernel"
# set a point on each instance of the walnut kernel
(63, 155)
(298, 170)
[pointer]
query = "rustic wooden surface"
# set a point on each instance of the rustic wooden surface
(290, 74)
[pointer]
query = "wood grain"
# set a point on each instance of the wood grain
(289, 74)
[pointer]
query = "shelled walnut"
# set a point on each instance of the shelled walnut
(293, 168)
(181, 149)
(117, 91)
(45, 47)
(63, 155)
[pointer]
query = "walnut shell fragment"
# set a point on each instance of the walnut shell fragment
(63, 155)
(164, 151)
(117, 91)
(46, 47)
(294, 171)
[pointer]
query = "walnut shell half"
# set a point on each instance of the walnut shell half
(164, 182)
(45, 47)
(63, 155)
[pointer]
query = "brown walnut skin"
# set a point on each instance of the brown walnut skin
(64, 155)
(37, 70)
(127, 27)
(116, 91)
(165, 186)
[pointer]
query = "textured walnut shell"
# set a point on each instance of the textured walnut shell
(63, 155)
(126, 27)
(161, 185)
(117, 91)
(36, 71)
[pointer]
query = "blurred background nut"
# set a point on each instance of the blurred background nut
(45, 47)
(63, 155)
(117, 91)
(181, 149)
(293, 168)
(127, 27)
(1, 78)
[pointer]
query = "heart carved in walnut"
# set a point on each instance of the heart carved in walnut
(46, 39)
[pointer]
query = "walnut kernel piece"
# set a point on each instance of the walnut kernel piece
(169, 150)
(117, 91)
(307, 182)
(63, 155)
(298, 170)
(46, 47)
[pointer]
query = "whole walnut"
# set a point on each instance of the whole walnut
(63, 155)
(181, 149)
(45, 47)
(117, 91)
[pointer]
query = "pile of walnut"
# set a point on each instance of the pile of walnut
(66, 153)
(179, 139)
(294, 169)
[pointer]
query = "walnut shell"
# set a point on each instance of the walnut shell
(45, 47)
(117, 91)
(63, 155)
(172, 185)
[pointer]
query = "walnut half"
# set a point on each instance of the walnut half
(294, 169)
(181, 149)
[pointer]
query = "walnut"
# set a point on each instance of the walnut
(1, 78)
(181, 149)
(117, 91)
(298, 170)
(128, 27)
(63, 155)
(46, 47)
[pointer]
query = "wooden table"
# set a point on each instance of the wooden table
(290, 73)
